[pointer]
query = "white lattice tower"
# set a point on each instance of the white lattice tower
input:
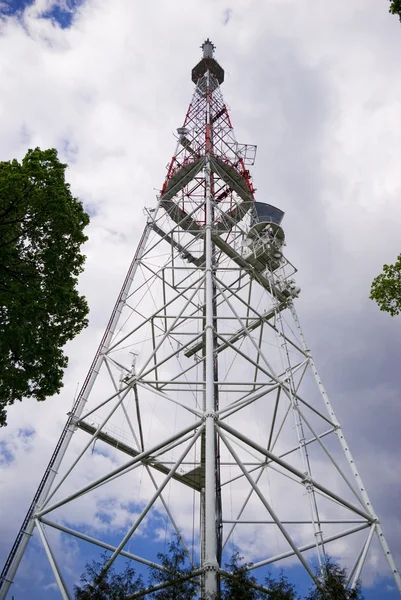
(203, 384)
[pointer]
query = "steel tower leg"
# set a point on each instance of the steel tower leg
(350, 460)
(45, 486)
(211, 565)
(206, 351)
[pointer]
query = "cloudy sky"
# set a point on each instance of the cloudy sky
(317, 86)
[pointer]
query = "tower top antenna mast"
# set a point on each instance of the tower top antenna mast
(208, 63)
(208, 48)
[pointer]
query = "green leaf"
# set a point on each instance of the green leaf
(386, 288)
(395, 8)
(41, 233)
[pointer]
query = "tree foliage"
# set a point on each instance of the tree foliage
(113, 586)
(175, 563)
(334, 585)
(239, 586)
(41, 232)
(281, 588)
(386, 288)
(395, 7)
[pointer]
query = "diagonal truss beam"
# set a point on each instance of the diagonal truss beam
(197, 286)
(120, 470)
(54, 566)
(305, 547)
(100, 543)
(251, 326)
(371, 518)
(266, 504)
(150, 462)
(156, 495)
(347, 453)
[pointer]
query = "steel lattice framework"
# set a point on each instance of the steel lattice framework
(205, 368)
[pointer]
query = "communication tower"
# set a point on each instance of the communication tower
(204, 386)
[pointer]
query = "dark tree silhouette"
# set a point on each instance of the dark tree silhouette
(395, 7)
(239, 586)
(281, 588)
(41, 232)
(334, 585)
(177, 569)
(113, 586)
(386, 288)
(178, 582)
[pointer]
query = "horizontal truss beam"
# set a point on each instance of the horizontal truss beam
(151, 462)
(123, 468)
(254, 324)
(296, 472)
(92, 540)
(306, 547)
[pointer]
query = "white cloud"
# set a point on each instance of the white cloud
(317, 87)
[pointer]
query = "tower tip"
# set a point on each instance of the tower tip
(208, 48)
(208, 63)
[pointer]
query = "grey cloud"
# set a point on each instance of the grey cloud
(227, 16)
(290, 84)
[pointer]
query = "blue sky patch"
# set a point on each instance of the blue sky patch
(61, 12)
(10, 7)
(62, 15)
(70, 149)
(100, 449)
(26, 433)
(6, 456)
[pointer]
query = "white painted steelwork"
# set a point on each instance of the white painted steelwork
(204, 396)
